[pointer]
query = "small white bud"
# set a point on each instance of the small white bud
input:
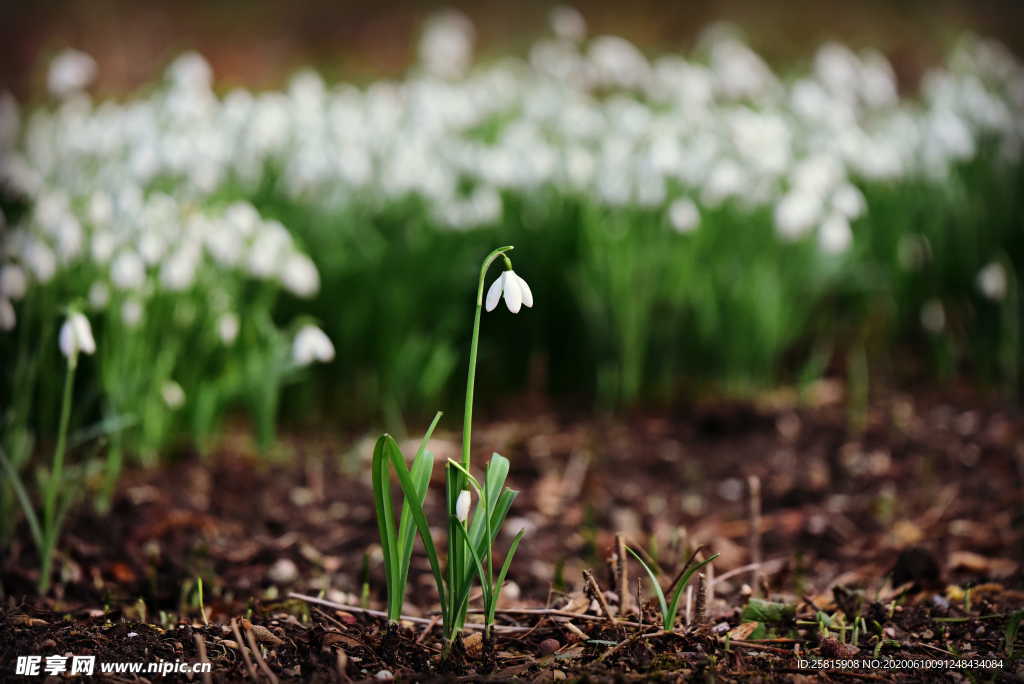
(462, 506)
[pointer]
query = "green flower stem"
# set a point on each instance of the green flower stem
(467, 423)
(53, 483)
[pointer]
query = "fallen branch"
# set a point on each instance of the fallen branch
(507, 629)
(244, 649)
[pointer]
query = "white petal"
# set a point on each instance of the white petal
(83, 332)
(494, 294)
(67, 340)
(513, 292)
(527, 293)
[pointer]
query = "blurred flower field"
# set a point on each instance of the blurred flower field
(690, 224)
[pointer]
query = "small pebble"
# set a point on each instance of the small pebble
(548, 646)
(283, 571)
(384, 675)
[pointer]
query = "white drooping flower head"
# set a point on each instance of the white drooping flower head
(683, 215)
(834, 235)
(70, 72)
(992, 281)
(76, 336)
(515, 289)
(567, 23)
(462, 506)
(446, 48)
(311, 344)
(13, 281)
(173, 395)
(227, 328)
(7, 317)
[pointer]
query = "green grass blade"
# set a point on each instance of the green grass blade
(24, 500)
(657, 589)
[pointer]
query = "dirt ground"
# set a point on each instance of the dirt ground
(900, 542)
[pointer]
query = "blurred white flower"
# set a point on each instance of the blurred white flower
(128, 272)
(101, 209)
(515, 289)
(76, 336)
(227, 328)
(311, 344)
(173, 395)
(834, 235)
(849, 201)
(131, 312)
(179, 270)
(300, 276)
(40, 260)
(683, 215)
(567, 23)
(99, 295)
(70, 72)
(992, 281)
(13, 281)
(7, 317)
(796, 214)
(933, 316)
(462, 504)
(446, 47)
(190, 70)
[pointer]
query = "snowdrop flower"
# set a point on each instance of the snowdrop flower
(173, 395)
(992, 281)
(683, 215)
(99, 295)
(933, 316)
(128, 272)
(40, 260)
(7, 317)
(131, 312)
(227, 328)
(311, 344)
(834, 235)
(13, 282)
(515, 289)
(70, 71)
(568, 23)
(300, 276)
(446, 47)
(796, 213)
(849, 201)
(462, 506)
(76, 336)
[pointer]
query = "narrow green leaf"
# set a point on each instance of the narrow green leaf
(1012, 627)
(386, 523)
(681, 584)
(23, 499)
(487, 590)
(657, 589)
(392, 451)
(500, 582)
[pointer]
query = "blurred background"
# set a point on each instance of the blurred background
(708, 199)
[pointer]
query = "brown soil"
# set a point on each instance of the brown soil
(913, 524)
